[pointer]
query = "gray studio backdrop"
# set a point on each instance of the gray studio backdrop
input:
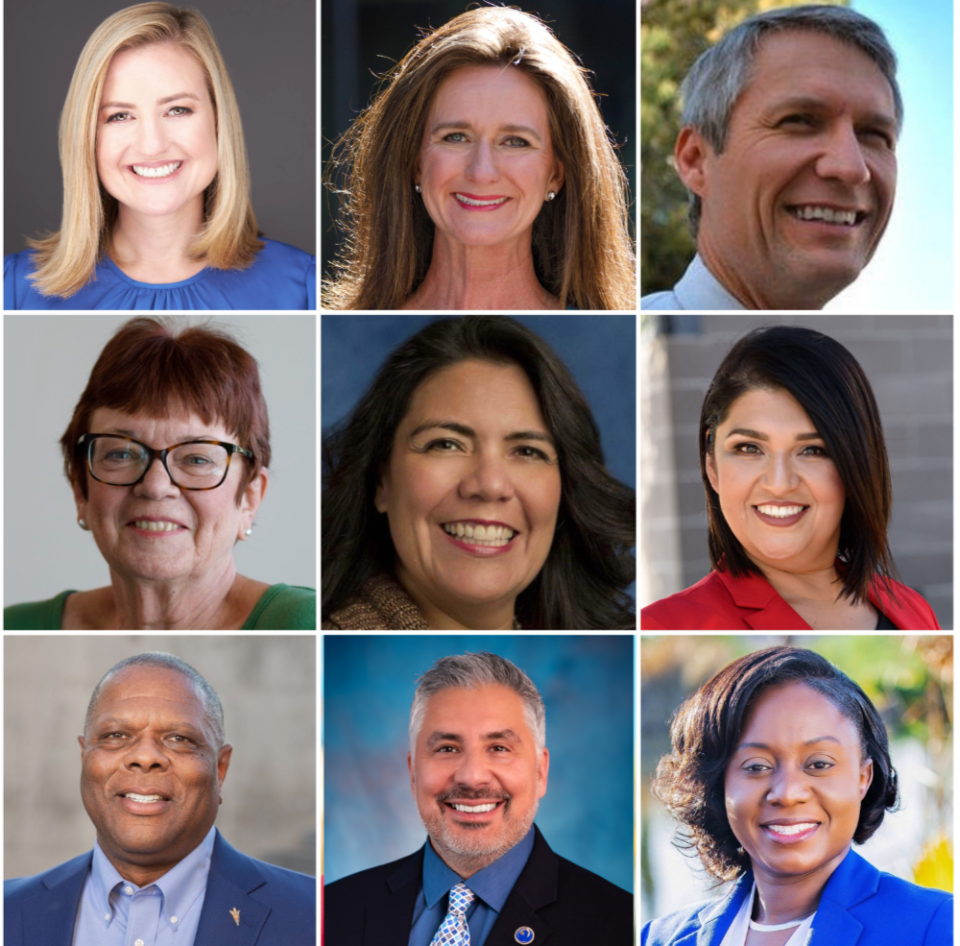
(909, 361)
(47, 362)
(268, 689)
(270, 51)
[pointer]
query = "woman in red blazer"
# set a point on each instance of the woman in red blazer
(797, 481)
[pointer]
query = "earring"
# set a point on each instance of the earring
(740, 851)
(416, 187)
(248, 531)
(551, 195)
(83, 525)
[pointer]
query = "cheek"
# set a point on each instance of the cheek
(415, 489)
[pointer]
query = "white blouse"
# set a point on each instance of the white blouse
(737, 934)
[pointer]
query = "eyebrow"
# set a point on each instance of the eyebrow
(124, 432)
(164, 101)
(809, 742)
(746, 432)
(511, 129)
(504, 735)
(466, 431)
(818, 105)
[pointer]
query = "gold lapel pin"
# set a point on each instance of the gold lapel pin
(235, 913)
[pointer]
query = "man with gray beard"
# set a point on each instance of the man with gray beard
(478, 767)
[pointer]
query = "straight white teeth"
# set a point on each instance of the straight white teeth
(789, 829)
(478, 534)
(827, 214)
(164, 171)
(143, 799)
(475, 809)
(479, 203)
(150, 526)
(781, 512)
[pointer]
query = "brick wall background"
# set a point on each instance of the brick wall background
(909, 361)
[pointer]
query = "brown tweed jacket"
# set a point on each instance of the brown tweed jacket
(381, 605)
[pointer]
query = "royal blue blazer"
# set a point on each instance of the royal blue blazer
(277, 907)
(860, 906)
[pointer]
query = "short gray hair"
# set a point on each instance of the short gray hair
(475, 670)
(720, 75)
(159, 659)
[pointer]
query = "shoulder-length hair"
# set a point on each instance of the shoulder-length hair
(66, 260)
(581, 585)
(582, 249)
(831, 387)
(153, 366)
(705, 733)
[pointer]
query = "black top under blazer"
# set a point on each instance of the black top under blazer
(564, 905)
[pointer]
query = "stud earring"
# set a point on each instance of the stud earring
(551, 195)
(416, 187)
(248, 531)
(83, 525)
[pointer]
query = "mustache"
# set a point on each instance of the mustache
(472, 794)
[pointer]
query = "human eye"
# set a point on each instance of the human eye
(756, 768)
(446, 750)
(878, 135)
(179, 111)
(813, 451)
(797, 120)
(118, 118)
(444, 445)
(515, 141)
(820, 765)
(531, 453)
(455, 137)
(746, 449)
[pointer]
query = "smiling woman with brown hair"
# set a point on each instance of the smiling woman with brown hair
(798, 491)
(780, 763)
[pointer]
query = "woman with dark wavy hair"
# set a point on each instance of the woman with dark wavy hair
(468, 490)
(798, 491)
(780, 763)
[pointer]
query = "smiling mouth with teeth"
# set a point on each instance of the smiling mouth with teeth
(165, 171)
(473, 202)
(150, 525)
(781, 512)
(846, 218)
(143, 799)
(493, 536)
(473, 809)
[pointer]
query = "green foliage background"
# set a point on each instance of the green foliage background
(672, 34)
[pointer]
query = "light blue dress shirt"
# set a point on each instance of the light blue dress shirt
(697, 289)
(114, 912)
(492, 885)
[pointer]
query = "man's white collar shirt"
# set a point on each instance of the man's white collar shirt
(114, 912)
(697, 289)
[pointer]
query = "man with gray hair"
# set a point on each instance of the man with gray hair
(478, 766)
(153, 761)
(788, 151)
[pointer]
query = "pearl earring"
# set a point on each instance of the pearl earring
(551, 195)
(248, 531)
(416, 187)
(83, 525)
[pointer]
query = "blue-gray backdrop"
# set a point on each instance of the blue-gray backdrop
(599, 350)
(586, 682)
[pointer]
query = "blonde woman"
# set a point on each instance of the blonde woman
(156, 211)
(482, 177)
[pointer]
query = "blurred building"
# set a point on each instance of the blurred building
(909, 361)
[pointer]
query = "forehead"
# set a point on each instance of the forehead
(792, 713)
(165, 65)
(762, 409)
(472, 711)
(804, 64)
(151, 430)
(494, 94)
(153, 691)
(499, 395)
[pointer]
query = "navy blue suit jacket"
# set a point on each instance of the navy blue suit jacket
(277, 907)
(860, 906)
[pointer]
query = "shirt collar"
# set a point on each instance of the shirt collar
(700, 289)
(492, 884)
(180, 886)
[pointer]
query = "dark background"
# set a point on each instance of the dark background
(361, 40)
(270, 51)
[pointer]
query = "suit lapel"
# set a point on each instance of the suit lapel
(717, 918)
(50, 919)
(232, 879)
(388, 924)
(762, 608)
(833, 926)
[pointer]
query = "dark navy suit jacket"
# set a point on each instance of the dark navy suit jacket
(564, 905)
(277, 907)
(860, 906)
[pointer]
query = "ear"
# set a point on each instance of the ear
(413, 782)
(381, 498)
(83, 745)
(223, 763)
(866, 777)
(690, 156)
(543, 769)
(79, 500)
(557, 178)
(250, 501)
(712, 473)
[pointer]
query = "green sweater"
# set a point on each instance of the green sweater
(280, 608)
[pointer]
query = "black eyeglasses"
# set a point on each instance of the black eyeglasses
(193, 464)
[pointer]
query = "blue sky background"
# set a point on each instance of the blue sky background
(913, 268)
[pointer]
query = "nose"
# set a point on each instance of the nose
(152, 138)
(842, 158)
(483, 164)
(473, 771)
(780, 476)
(156, 483)
(146, 753)
(488, 479)
(788, 786)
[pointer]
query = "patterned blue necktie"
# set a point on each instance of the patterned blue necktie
(454, 930)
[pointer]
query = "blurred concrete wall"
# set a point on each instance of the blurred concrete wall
(909, 361)
(267, 686)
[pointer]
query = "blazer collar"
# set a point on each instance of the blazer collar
(763, 608)
(53, 923)
(388, 924)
